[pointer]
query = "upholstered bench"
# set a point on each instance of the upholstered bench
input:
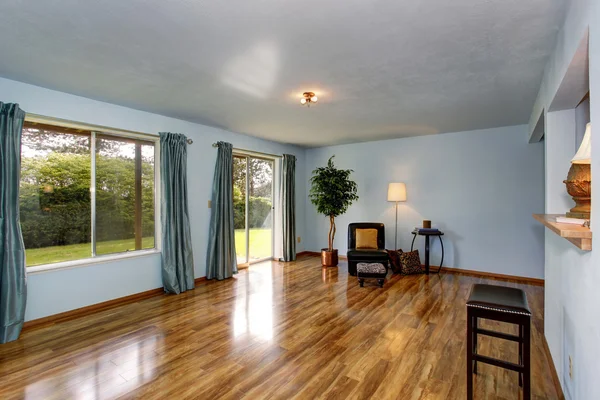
(371, 270)
(505, 304)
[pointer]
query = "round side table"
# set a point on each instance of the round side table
(439, 234)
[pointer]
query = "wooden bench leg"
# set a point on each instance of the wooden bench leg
(527, 360)
(475, 325)
(469, 355)
(521, 344)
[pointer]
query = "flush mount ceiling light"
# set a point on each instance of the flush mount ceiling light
(307, 98)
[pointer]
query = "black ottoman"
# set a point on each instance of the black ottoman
(371, 270)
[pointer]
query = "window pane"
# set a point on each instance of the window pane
(124, 195)
(239, 208)
(148, 241)
(261, 209)
(55, 194)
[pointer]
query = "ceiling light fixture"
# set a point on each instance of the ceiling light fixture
(307, 98)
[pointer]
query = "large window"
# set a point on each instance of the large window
(85, 194)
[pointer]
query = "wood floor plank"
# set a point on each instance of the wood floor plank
(278, 331)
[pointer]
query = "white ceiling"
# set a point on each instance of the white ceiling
(381, 68)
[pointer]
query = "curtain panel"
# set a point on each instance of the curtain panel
(177, 259)
(288, 206)
(221, 262)
(13, 276)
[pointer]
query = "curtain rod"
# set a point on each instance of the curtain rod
(251, 152)
(36, 118)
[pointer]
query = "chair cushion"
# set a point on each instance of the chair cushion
(366, 238)
(379, 227)
(499, 298)
(411, 263)
(371, 268)
(367, 255)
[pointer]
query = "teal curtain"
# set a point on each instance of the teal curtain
(177, 255)
(221, 261)
(13, 277)
(288, 203)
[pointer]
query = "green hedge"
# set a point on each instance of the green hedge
(55, 200)
(260, 212)
(55, 203)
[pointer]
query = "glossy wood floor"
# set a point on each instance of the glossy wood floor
(275, 331)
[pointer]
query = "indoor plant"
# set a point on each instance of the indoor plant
(332, 192)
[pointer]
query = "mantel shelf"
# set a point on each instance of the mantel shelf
(580, 236)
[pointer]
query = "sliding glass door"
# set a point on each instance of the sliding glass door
(253, 208)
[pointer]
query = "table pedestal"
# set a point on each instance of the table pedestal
(427, 245)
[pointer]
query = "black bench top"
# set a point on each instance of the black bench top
(499, 298)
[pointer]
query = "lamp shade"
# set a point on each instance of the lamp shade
(396, 192)
(584, 154)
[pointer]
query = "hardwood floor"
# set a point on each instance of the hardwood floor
(276, 331)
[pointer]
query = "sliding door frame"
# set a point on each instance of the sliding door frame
(247, 155)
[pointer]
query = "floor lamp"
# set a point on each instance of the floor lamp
(396, 193)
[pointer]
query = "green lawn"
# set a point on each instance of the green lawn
(54, 254)
(260, 247)
(260, 244)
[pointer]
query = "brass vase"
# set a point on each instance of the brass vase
(329, 258)
(579, 186)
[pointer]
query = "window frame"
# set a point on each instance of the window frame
(111, 132)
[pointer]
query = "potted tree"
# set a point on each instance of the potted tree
(332, 192)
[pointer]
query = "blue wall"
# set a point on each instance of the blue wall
(53, 292)
(479, 187)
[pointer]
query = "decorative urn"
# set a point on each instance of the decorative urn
(579, 180)
(579, 186)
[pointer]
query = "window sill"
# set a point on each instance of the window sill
(36, 269)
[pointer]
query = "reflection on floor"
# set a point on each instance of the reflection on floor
(275, 330)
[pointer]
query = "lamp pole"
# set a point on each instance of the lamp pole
(396, 230)
(396, 193)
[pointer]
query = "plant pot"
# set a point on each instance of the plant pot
(329, 258)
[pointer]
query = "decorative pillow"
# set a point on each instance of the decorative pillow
(395, 260)
(366, 238)
(410, 263)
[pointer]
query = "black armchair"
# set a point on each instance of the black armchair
(378, 255)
